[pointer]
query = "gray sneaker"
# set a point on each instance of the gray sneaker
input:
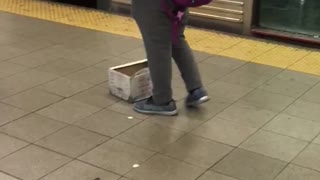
(149, 107)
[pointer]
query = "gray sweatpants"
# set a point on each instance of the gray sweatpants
(156, 30)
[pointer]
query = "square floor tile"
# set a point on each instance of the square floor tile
(300, 77)
(117, 156)
(32, 127)
(8, 51)
(225, 61)
(190, 118)
(210, 73)
(108, 123)
(305, 109)
(6, 177)
(96, 96)
(86, 56)
(68, 111)
(72, 141)
(247, 115)
(7, 69)
(77, 170)
(90, 75)
(32, 100)
(65, 87)
(228, 91)
(161, 167)
(294, 127)
(34, 59)
(127, 109)
(150, 136)
(250, 166)
(9, 113)
(274, 145)
(32, 163)
(285, 87)
(310, 157)
(317, 140)
(135, 54)
(10, 145)
(197, 151)
(210, 175)
(267, 100)
(62, 67)
(224, 131)
(313, 95)
(293, 172)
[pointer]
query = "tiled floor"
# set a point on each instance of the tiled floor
(58, 122)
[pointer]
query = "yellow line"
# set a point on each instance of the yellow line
(298, 59)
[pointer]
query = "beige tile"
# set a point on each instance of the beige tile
(161, 167)
(223, 131)
(117, 156)
(6, 177)
(65, 87)
(304, 109)
(150, 136)
(32, 163)
(317, 140)
(62, 67)
(228, 91)
(127, 109)
(197, 151)
(312, 95)
(9, 145)
(310, 157)
(68, 111)
(267, 100)
(108, 123)
(274, 145)
(32, 100)
(247, 115)
(77, 170)
(8, 51)
(210, 175)
(124, 178)
(96, 96)
(7, 69)
(293, 172)
(300, 77)
(250, 166)
(294, 127)
(9, 113)
(32, 127)
(72, 141)
(90, 75)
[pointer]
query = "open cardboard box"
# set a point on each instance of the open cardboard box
(131, 82)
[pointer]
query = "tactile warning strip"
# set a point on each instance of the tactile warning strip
(294, 58)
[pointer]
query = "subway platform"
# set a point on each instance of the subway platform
(58, 122)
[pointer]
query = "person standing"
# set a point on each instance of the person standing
(156, 28)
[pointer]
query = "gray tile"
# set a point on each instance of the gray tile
(34, 59)
(8, 51)
(150, 136)
(32, 127)
(223, 131)
(210, 175)
(197, 151)
(247, 115)
(6, 177)
(200, 56)
(32, 100)
(294, 127)
(86, 57)
(250, 166)
(31, 45)
(161, 167)
(312, 95)
(127, 109)
(267, 100)
(77, 170)
(300, 77)
(225, 62)
(260, 69)
(116, 61)
(116, 156)
(72, 141)
(317, 140)
(107, 122)
(68, 111)
(305, 109)
(91, 75)
(210, 72)
(9, 113)
(8, 68)
(62, 67)
(65, 87)
(32, 163)
(10, 145)
(96, 96)
(228, 91)
(309, 157)
(274, 145)
(136, 54)
(293, 172)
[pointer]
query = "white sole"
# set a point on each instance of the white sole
(199, 102)
(162, 113)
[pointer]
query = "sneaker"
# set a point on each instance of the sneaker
(149, 107)
(197, 97)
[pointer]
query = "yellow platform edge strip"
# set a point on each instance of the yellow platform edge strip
(267, 53)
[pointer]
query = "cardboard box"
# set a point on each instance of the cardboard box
(131, 82)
